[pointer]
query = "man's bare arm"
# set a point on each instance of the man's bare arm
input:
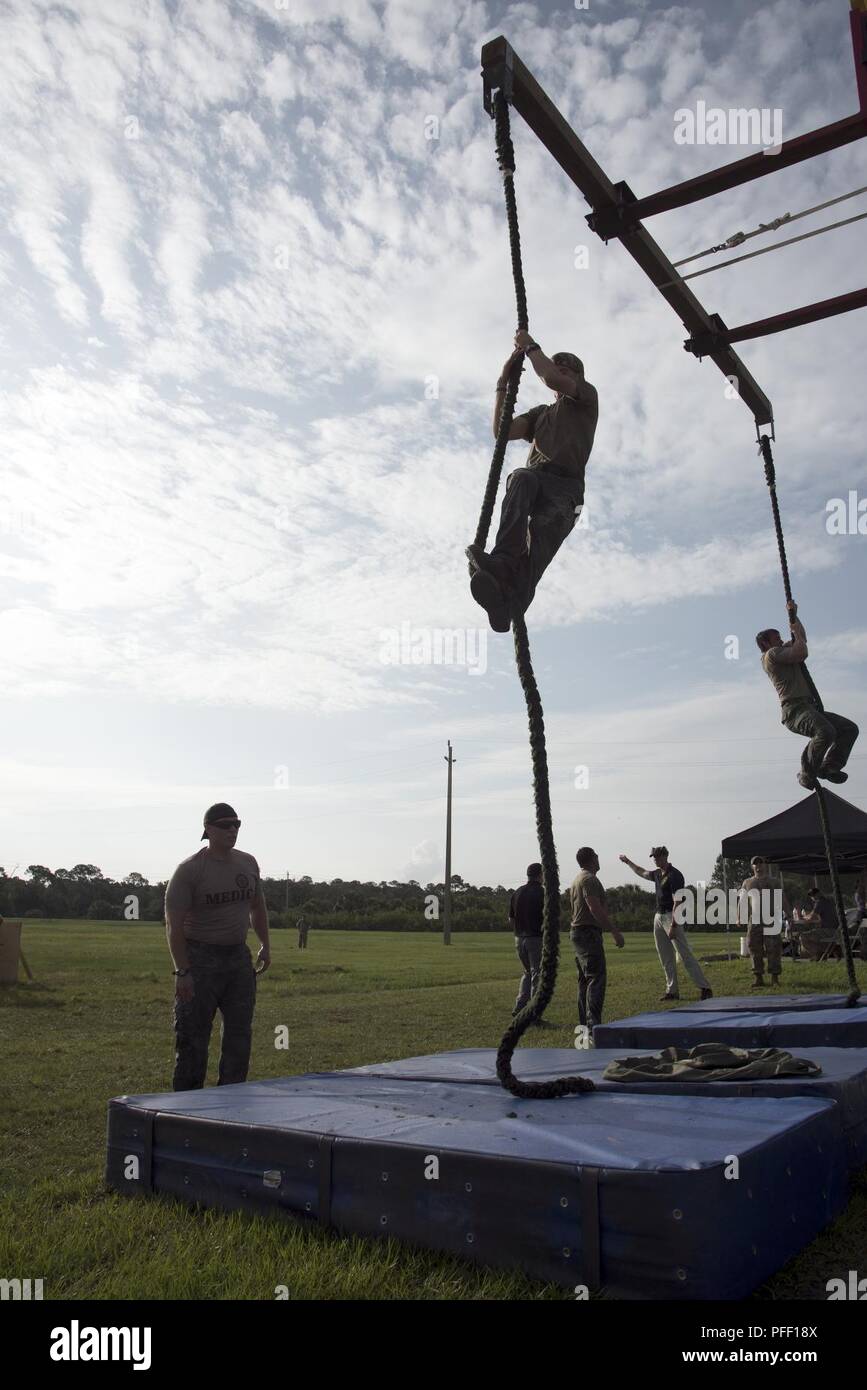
(176, 938)
(560, 379)
(642, 873)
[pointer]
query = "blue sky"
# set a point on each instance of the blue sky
(253, 321)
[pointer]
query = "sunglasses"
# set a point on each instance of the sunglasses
(226, 824)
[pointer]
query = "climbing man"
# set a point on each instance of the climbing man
(759, 911)
(831, 736)
(589, 920)
(544, 498)
(669, 934)
(211, 900)
(525, 918)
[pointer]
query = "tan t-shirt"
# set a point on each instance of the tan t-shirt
(788, 677)
(215, 895)
(585, 884)
(563, 435)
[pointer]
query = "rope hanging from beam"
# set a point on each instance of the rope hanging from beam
(533, 1011)
(854, 991)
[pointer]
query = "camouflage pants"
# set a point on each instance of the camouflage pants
(539, 511)
(224, 979)
(824, 730)
(762, 946)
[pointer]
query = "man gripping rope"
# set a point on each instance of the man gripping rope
(831, 736)
(544, 498)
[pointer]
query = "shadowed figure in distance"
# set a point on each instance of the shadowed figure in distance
(544, 498)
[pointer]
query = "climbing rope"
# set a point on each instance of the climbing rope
(854, 991)
(533, 1011)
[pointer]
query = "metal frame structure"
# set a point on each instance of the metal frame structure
(617, 212)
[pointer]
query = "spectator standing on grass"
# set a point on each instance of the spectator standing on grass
(589, 920)
(764, 938)
(211, 901)
(303, 929)
(525, 918)
(669, 935)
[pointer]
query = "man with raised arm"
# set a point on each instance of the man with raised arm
(669, 934)
(543, 498)
(589, 920)
(831, 736)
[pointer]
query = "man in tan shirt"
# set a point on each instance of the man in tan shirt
(211, 900)
(759, 911)
(831, 736)
(544, 498)
(589, 920)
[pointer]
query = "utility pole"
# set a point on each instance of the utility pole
(287, 890)
(447, 906)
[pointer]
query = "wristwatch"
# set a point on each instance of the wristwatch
(534, 347)
(185, 971)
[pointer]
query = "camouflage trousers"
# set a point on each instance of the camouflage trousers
(538, 513)
(763, 947)
(224, 979)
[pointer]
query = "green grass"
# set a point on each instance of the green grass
(96, 1023)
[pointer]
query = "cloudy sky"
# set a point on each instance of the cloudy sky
(256, 295)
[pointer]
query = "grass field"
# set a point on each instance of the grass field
(96, 1023)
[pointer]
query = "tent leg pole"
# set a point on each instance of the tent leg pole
(726, 893)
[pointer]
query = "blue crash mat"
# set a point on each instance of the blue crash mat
(765, 1003)
(740, 1027)
(625, 1192)
(843, 1079)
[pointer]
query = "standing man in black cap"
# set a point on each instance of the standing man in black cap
(211, 901)
(669, 934)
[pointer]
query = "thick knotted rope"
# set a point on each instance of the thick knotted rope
(854, 991)
(567, 1085)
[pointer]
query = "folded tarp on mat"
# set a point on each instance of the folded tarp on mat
(842, 1077)
(634, 1194)
(708, 1062)
(758, 1027)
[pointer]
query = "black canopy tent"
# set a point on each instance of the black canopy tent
(793, 839)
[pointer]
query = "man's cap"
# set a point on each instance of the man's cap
(217, 812)
(660, 849)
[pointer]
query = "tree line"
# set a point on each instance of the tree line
(85, 892)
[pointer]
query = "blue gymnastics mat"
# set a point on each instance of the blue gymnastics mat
(764, 1003)
(843, 1079)
(625, 1193)
(739, 1027)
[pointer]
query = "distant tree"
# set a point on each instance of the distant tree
(101, 910)
(85, 873)
(39, 874)
(736, 871)
(136, 881)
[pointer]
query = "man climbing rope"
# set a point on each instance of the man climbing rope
(544, 498)
(831, 736)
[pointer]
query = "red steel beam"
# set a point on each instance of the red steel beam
(701, 343)
(627, 210)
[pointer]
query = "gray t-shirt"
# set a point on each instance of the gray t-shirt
(216, 896)
(788, 677)
(562, 434)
